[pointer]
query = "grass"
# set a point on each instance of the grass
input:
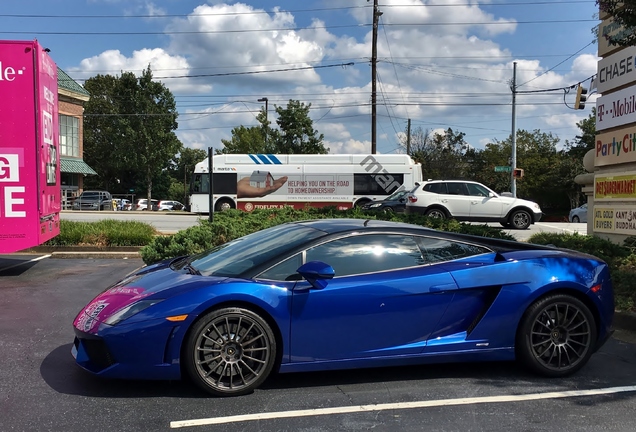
(105, 233)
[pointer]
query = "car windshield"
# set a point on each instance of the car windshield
(237, 256)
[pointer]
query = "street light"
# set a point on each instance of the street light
(264, 99)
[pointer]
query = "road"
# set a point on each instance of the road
(41, 389)
(172, 222)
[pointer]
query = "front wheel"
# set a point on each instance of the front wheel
(556, 336)
(230, 352)
(520, 219)
(223, 205)
(576, 219)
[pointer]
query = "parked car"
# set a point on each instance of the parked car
(93, 200)
(471, 201)
(578, 214)
(142, 204)
(170, 206)
(289, 299)
(394, 203)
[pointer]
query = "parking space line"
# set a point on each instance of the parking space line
(399, 406)
(25, 262)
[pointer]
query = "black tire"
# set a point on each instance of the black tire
(361, 202)
(556, 336)
(388, 210)
(223, 205)
(435, 213)
(576, 219)
(230, 352)
(520, 219)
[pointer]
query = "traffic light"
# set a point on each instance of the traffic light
(517, 173)
(581, 97)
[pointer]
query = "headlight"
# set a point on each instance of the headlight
(130, 310)
(375, 205)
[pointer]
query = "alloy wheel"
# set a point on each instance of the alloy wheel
(561, 336)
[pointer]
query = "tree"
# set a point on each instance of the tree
(129, 128)
(295, 134)
(441, 154)
(624, 15)
(246, 140)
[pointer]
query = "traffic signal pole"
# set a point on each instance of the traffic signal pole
(513, 158)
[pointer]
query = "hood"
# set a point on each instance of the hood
(149, 283)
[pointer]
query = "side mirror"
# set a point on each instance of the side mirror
(317, 273)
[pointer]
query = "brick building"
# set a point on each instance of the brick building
(72, 97)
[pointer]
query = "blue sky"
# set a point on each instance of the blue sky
(441, 63)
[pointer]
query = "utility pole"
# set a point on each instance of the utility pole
(374, 75)
(264, 99)
(513, 159)
(408, 137)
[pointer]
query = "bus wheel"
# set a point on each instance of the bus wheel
(361, 202)
(223, 205)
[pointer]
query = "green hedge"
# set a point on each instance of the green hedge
(106, 232)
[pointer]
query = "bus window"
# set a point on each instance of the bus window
(376, 184)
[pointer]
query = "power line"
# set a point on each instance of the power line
(263, 30)
(265, 12)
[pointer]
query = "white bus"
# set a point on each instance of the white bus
(251, 181)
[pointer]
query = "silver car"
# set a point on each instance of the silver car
(578, 214)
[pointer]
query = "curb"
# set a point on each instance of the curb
(95, 255)
(625, 321)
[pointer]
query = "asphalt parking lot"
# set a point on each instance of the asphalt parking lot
(41, 389)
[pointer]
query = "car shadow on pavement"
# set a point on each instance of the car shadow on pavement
(59, 371)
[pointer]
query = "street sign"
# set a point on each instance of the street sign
(503, 169)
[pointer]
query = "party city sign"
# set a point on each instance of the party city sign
(615, 147)
(620, 187)
(616, 109)
(617, 220)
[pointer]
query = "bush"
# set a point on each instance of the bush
(104, 233)
(234, 223)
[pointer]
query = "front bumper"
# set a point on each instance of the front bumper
(148, 351)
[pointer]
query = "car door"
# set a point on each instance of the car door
(457, 200)
(484, 206)
(383, 300)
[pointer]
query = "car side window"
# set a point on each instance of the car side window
(438, 188)
(455, 188)
(284, 271)
(439, 250)
(477, 190)
(367, 253)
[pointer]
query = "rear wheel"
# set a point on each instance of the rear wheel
(520, 219)
(435, 213)
(556, 336)
(230, 352)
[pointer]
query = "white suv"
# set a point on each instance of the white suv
(471, 201)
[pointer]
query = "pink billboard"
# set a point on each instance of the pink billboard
(29, 147)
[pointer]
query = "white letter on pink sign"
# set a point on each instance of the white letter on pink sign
(9, 202)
